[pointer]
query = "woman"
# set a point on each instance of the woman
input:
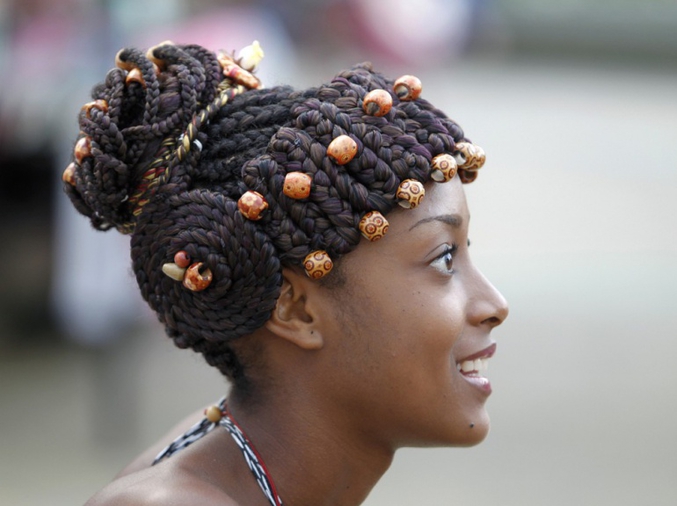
(243, 204)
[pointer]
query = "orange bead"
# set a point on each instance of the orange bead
(121, 64)
(195, 280)
(252, 204)
(83, 149)
(213, 414)
(469, 156)
(297, 185)
(373, 226)
(443, 167)
(407, 88)
(68, 175)
(135, 76)
(100, 104)
(318, 264)
(182, 259)
(410, 193)
(342, 149)
(150, 54)
(377, 103)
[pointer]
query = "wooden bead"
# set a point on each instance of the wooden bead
(373, 226)
(100, 104)
(213, 414)
(122, 64)
(377, 103)
(467, 176)
(252, 204)
(182, 259)
(150, 54)
(83, 149)
(410, 193)
(175, 272)
(195, 280)
(469, 156)
(318, 264)
(407, 88)
(342, 149)
(443, 167)
(297, 185)
(68, 175)
(135, 76)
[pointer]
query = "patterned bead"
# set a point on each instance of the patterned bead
(252, 204)
(213, 414)
(195, 280)
(297, 185)
(68, 175)
(174, 271)
(83, 149)
(342, 149)
(407, 88)
(373, 226)
(469, 156)
(100, 104)
(410, 193)
(443, 167)
(467, 176)
(182, 259)
(318, 264)
(377, 103)
(135, 76)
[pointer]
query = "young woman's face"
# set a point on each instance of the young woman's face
(410, 328)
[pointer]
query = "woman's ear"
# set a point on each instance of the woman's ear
(295, 317)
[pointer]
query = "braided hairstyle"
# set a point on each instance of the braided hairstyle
(173, 140)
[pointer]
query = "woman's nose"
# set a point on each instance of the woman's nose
(488, 306)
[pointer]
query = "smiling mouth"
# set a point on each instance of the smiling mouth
(471, 367)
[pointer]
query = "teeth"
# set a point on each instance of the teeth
(480, 364)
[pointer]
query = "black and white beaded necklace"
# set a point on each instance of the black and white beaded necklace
(219, 415)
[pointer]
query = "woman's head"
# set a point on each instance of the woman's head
(210, 176)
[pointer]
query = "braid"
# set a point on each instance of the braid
(178, 143)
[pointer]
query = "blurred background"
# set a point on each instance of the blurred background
(575, 103)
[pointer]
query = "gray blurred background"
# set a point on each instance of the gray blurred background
(573, 219)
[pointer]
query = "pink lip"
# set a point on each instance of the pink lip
(485, 353)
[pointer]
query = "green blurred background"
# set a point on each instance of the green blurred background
(575, 103)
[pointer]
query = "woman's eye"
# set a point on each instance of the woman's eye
(444, 262)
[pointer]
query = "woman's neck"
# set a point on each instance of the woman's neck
(311, 458)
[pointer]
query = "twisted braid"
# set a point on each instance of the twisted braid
(202, 141)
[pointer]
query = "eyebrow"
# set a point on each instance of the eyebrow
(455, 220)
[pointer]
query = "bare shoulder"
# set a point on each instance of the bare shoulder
(160, 486)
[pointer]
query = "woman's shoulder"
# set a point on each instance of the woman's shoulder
(161, 486)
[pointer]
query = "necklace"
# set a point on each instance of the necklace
(219, 415)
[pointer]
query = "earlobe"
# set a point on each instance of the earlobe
(293, 318)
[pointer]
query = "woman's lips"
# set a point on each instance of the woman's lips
(471, 366)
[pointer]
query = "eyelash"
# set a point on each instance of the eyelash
(449, 251)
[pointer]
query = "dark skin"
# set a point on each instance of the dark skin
(350, 374)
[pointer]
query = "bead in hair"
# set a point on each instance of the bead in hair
(68, 175)
(174, 271)
(410, 193)
(469, 156)
(83, 149)
(443, 167)
(373, 226)
(251, 204)
(297, 185)
(407, 88)
(342, 149)
(318, 264)
(377, 103)
(135, 76)
(195, 280)
(182, 259)
(102, 105)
